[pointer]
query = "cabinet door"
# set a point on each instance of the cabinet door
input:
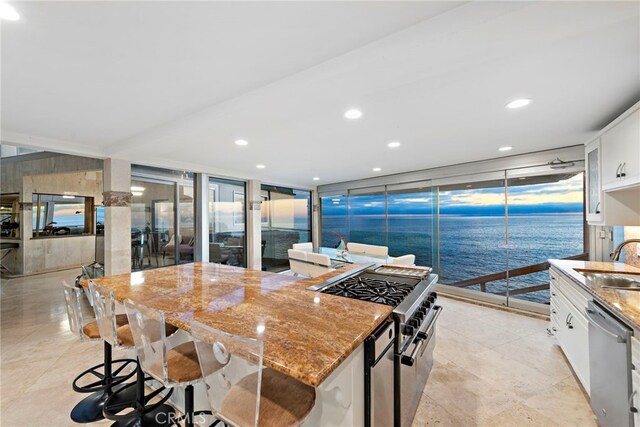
(571, 330)
(594, 189)
(621, 150)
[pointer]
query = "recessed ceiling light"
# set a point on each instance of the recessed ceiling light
(260, 166)
(134, 188)
(315, 178)
(7, 12)
(136, 193)
(241, 142)
(377, 169)
(518, 103)
(353, 114)
(505, 148)
(393, 144)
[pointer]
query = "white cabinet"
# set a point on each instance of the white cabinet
(569, 324)
(612, 164)
(635, 379)
(621, 153)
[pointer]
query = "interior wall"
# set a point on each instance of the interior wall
(48, 253)
(54, 174)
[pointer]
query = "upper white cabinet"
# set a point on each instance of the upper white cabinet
(612, 162)
(621, 154)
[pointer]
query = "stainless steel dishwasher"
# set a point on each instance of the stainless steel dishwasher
(609, 368)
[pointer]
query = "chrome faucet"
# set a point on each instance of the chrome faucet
(615, 255)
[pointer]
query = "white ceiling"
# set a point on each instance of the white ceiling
(175, 83)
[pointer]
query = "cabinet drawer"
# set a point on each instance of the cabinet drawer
(570, 290)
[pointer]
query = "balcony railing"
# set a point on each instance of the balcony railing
(520, 271)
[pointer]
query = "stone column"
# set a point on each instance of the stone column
(116, 197)
(254, 225)
(201, 217)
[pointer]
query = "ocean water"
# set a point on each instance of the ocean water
(470, 246)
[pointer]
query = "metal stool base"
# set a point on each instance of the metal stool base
(162, 416)
(90, 408)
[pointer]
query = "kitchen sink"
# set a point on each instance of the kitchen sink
(630, 282)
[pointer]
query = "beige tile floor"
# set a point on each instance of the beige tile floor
(492, 368)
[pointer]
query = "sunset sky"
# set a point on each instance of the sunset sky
(557, 197)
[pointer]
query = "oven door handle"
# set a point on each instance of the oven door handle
(420, 339)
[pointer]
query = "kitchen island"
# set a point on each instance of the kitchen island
(313, 337)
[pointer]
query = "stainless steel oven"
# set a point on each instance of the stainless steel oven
(414, 360)
(399, 354)
(378, 376)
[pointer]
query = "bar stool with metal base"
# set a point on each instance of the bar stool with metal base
(142, 411)
(105, 377)
(243, 393)
(171, 360)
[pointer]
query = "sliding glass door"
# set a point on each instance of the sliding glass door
(286, 219)
(488, 235)
(410, 217)
(368, 216)
(545, 220)
(473, 236)
(162, 217)
(152, 223)
(227, 222)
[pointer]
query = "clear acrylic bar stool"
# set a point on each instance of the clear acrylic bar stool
(241, 392)
(171, 360)
(99, 380)
(142, 411)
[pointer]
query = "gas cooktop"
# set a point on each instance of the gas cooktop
(374, 287)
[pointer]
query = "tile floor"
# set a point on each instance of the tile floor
(491, 368)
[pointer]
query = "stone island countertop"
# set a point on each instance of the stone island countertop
(306, 334)
(624, 304)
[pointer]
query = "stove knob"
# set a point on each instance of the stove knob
(414, 323)
(423, 310)
(419, 315)
(407, 330)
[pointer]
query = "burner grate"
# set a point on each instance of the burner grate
(381, 291)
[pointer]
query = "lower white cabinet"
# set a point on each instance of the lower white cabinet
(635, 379)
(569, 324)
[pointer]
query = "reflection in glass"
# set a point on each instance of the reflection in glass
(286, 219)
(335, 221)
(226, 222)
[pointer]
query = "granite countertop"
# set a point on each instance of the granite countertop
(624, 304)
(306, 334)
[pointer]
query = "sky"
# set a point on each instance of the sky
(564, 196)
